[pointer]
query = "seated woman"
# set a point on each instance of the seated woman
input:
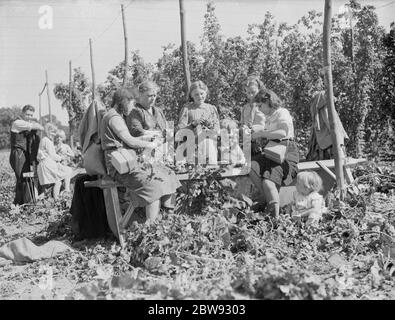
(49, 169)
(150, 187)
(198, 115)
(63, 149)
(278, 127)
(146, 120)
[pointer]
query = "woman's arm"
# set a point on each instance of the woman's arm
(117, 124)
(258, 131)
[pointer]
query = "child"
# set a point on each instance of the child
(250, 114)
(63, 149)
(307, 202)
(199, 115)
(49, 169)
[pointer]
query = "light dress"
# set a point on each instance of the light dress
(49, 169)
(302, 202)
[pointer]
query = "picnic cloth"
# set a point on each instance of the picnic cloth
(23, 250)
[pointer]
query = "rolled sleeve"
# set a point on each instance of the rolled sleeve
(21, 125)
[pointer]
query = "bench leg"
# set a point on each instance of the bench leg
(113, 210)
(126, 217)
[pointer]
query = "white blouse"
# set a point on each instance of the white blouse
(278, 119)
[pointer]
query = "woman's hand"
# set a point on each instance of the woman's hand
(195, 123)
(155, 144)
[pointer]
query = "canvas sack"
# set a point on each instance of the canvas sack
(276, 151)
(124, 160)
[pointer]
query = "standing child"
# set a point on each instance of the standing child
(197, 114)
(307, 202)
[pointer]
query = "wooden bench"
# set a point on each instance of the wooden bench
(118, 222)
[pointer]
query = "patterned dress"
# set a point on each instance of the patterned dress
(147, 181)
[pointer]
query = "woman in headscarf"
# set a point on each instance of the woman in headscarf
(151, 184)
(49, 169)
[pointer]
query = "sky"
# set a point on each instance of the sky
(27, 50)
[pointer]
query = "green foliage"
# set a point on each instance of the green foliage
(7, 115)
(81, 89)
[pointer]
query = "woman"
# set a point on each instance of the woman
(278, 127)
(49, 169)
(198, 115)
(250, 113)
(146, 119)
(150, 187)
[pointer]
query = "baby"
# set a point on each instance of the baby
(307, 202)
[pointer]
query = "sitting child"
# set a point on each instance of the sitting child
(63, 149)
(307, 202)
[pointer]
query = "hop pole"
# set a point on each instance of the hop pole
(184, 48)
(125, 72)
(335, 132)
(49, 100)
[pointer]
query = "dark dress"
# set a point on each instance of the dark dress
(23, 155)
(140, 119)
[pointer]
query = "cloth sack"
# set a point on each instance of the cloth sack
(93, 160)
(124, 160)
(23, 250)
(276, 151)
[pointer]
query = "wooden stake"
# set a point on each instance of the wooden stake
(49, 100)
(335, 131)
(39, 106)
(125, 72)
(71, 129)
(184, 48)
(92, 69)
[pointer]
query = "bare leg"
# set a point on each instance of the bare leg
(152, 210)
(168, 201)
(272, 197)
(67, 184)
(56, 189)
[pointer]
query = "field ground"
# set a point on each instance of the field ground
(230, 252)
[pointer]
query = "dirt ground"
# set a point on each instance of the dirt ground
(228, 253)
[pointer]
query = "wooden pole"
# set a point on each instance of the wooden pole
(184, 48)
(125, 72)
(71, 129)
(49, 100)
(39, 105)
(93, 83)
(335, 131)
(92, 69)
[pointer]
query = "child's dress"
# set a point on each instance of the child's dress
(49, 169)
(65, 152)
(209, 114)
(302, 203)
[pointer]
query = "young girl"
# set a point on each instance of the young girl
(63, 149)
(307, 202)
(49, 169)
(197, 114)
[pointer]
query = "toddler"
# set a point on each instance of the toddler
(307, 202)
